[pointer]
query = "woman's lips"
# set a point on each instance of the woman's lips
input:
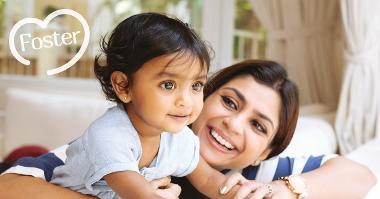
(215, 144)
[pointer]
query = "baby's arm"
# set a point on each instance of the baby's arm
(209, 181)
(130, 184)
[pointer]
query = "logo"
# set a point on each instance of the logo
(49, 41)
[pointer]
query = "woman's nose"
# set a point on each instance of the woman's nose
(234, 124)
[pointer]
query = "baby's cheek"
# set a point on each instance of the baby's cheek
(197, 108)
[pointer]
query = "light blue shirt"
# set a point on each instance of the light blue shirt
(111, 144)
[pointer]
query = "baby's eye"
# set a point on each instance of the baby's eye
(167, 85)
(197, 86)
(227, 101)
(259, 127)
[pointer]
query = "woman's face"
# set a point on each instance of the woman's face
(237, 123)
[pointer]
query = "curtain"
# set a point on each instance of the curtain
(301, 36)
(358, 115)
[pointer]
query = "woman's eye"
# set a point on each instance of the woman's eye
(197, 86)
(259, 127)
(168, 85)
(227, 101)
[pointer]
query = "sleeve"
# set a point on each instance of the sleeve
(277, 167)
(187, 152)
(110, 150)
(41, 166)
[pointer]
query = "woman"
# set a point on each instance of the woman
(249, 115)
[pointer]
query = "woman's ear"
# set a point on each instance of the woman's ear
(120, 85)
(262, 157)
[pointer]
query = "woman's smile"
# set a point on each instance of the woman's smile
(221, 142)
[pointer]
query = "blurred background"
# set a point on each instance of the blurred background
(235, 33)
(330, 48)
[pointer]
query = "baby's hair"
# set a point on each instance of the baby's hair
(142, 37)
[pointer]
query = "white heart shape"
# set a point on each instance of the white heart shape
(44, 24)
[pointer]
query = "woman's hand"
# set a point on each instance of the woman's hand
(252, 189)
(166, 189)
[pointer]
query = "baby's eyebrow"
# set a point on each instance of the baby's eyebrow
(201, 77)
(168, 74)
(177, 75)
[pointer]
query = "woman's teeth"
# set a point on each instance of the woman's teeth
(221, 141)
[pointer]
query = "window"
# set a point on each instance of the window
(189, 11)
(249, 34)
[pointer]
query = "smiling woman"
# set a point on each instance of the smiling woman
(249, 117)
(237, 124)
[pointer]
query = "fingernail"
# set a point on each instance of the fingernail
(223, 190)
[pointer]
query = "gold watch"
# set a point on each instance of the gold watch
(297, 185)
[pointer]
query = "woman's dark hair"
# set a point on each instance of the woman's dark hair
(273, 75)
(141, 38)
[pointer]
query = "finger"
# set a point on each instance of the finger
(164, 193)
(273, 197)
(246, 189)
(162, 182)
(175, 189)
(171, 191)
(232, 180)
(262, 191)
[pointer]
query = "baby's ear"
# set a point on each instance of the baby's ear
(119, 82)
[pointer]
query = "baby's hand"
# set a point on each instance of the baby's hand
(248, 188)
(166, 189)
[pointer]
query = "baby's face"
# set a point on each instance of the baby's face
(166, 94)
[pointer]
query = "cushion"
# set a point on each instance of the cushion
(47, 119)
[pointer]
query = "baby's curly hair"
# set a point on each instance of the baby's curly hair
(141, 38)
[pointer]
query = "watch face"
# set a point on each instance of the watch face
(298, 183)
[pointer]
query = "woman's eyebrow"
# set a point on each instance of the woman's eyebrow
(242, 98)
(237, 93)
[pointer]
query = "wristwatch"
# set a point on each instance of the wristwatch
(297, 185)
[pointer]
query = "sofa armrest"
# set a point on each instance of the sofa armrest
(313, 136)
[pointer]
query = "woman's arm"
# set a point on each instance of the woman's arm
(14, 186)
(208, 181)
(338, 178)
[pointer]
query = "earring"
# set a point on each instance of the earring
(256, 163)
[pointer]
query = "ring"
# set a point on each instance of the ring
(270, 189)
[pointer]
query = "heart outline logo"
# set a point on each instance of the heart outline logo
(44, 24)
